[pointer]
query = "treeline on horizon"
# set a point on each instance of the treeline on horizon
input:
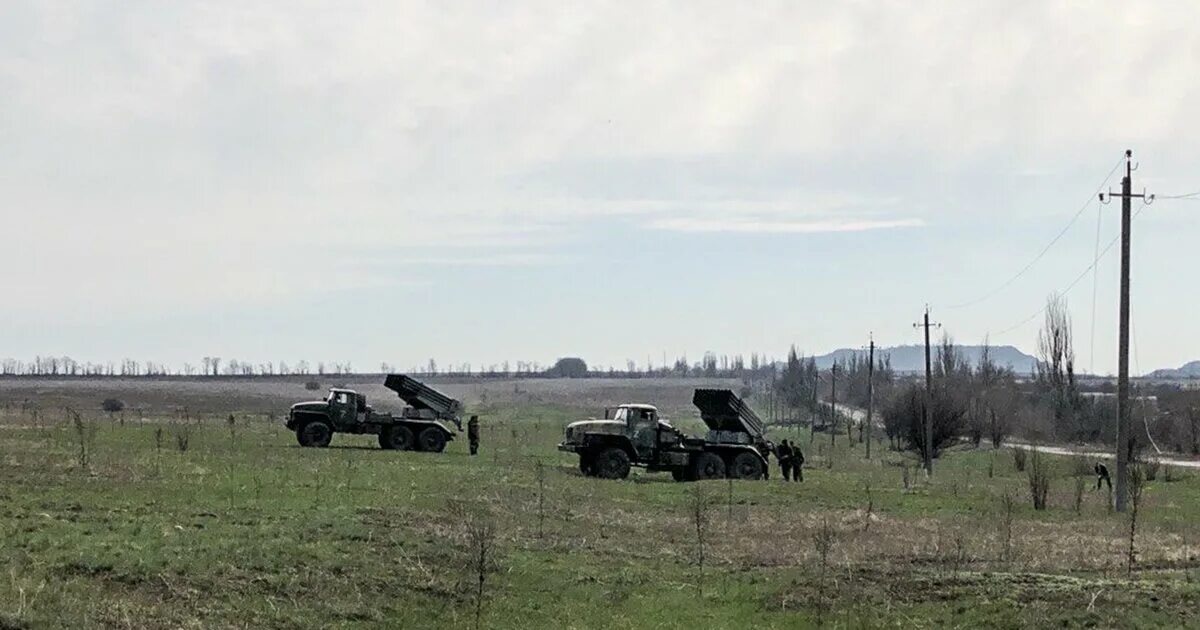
(712, 365)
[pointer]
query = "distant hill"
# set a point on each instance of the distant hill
(912, 358)
(1188, 370)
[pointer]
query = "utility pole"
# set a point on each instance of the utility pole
(850, 431)
(926, 421)
(833, 404)
(870, 392)
(1124, 431)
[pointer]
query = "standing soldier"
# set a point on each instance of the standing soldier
(785, 460)
(1102, 476)
(473, 434)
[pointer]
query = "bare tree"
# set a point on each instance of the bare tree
(481, 536)
(85, 437)
(540, 474)
(905, 416)
(1039, 479)
(1008, 508)
(1137, 483)
(1056, 366)
(823, 540)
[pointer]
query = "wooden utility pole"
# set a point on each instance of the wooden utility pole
(1124, 430)
(926, 420)
(870, 393)
(850, 430)
(833, 404)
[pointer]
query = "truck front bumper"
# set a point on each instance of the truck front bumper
(569, 447)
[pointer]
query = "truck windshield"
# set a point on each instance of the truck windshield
(621, 415)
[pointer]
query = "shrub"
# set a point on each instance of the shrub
(1081, 473)
(1008, 509)
(1150, 470)
(1039, 480)
(112, 405)
(85, 436)
(1019, 458)
(183, 436)
(906, 413)
(312, 386)
(1137, 483)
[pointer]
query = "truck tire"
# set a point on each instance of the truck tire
(708, 465)
(431, 440)
(612, 463)
(679, 474)
(746, 466)
(396, 438)
(314, 433)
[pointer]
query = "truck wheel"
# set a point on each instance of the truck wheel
(316, 433)
(431, 440)
(612, 463)
(399, 438)
(746, 466)
(708, 466)
(679, 474)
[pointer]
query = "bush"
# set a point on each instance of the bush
(1150, 469)
(183, 436)
(112, 405)
(1039, 480)
(906, 414)
(312, 386)
(1019, 458)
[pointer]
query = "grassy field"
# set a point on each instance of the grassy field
(244, 529)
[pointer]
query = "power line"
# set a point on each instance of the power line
(1045, 249)
(1142, 396)
(1073, 282)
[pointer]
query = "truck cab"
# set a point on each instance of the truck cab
(346, 406)
(637, 425)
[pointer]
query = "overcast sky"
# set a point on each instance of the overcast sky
(384, 181)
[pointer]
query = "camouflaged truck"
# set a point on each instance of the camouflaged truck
(735, 445)
(422, 425)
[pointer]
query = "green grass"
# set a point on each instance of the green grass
(250, 531)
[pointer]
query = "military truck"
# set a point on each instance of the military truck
(422, 425)
(735, 445)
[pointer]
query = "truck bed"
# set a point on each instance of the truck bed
(725, 413)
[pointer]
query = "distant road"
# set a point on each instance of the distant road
(859, 415)
(1093, 454)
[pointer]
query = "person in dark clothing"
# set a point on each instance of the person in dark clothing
(797, 464)
(473, 434)
(1102, 476)
(785, 459)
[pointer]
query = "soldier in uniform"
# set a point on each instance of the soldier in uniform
(1102, 476)
(785, 460)
(473, 434)
(797, 464)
